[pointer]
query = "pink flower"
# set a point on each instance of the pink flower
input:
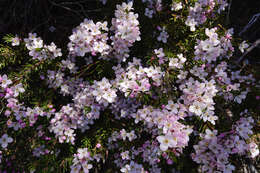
(98, 145)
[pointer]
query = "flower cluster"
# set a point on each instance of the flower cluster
(176, 6)
(40, 51)
(64, 124)
(89, 37)
(199, 97)
(213, 47)
(39, 151)
(177, 63)
(103, 92)
(81, 161)
(93, 38)
(175, 134)
(132, 168)
(149, 153)
(136, 79)
(163, 35)
(152, 7)
(122, 135)
(214, 150)
(126, 29)
(139, 113)
(16, 112)
(4, 140)
(202, 10)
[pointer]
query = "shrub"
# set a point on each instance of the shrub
(157, 88)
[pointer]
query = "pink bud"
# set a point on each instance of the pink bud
(98, 145)
(93, 53)
(10, 105)
(7, 113)
(169, 162)
(23, 125)
(164, 155)
(42, 77)
(132, 95)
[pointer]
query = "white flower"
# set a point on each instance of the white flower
(210, 134)
(75, 169)
(125, 155)
(253, 148)
(173, 107)
(181, 58)
(148, 13)
(86, 167)
(174, 62)
(5, 81)
(83, 153)
(110, 96)
(37, 43)
(176, 6)
(15, 41)
(229, 168)
(191, 23)
(166, 142)
(4, 140)
(125, 169)
(195, 108)
(18, 89)
(240, 97)
(131, 135)
(123, 134)
(159, 52)
(243, 46)
(212, 119)
(163, 36)
(98, 94)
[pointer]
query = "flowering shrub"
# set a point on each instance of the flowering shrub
(155, 90)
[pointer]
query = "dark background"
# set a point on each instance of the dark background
(23, 16)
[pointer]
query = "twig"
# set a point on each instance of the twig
(74, 2)
(228, 15)
(250, 23)
(66, 8)
(83, 10)
(255, 44)
(39, 25)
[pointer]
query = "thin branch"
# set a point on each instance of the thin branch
(250, 23)
(255, 44)
(228, 15)
(39, 25)
(76, 2)
(66, 8)
(83, 10)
